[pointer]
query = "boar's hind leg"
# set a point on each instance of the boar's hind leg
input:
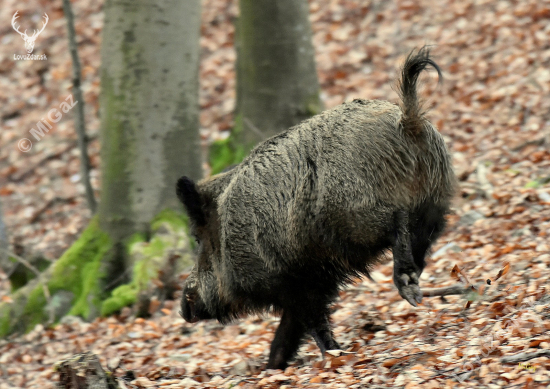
(405, 270)
(287, 340)
(427, 224)
(323, 336)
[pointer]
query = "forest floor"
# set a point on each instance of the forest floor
(493, 109)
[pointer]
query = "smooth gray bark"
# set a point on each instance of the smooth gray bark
(277, 85)
(149, 138)
(149, 109)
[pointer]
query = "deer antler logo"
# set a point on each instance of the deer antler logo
(29, 40)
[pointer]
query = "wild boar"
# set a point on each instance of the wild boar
(314, 207)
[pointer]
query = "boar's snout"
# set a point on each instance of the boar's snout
(188, 311)
(193, 308)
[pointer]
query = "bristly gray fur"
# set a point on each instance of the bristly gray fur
(315, 206)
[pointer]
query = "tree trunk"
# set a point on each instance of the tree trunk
(149, 115)
(149, 138)
(149, 109)
(277, 84)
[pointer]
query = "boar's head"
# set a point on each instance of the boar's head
(201, 298)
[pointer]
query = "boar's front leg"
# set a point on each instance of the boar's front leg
(287, 340)
(405, 270)
(292, 329)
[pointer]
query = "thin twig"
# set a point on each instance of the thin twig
(255, 129)
(45, 289)
(23, 261)
(80, 125)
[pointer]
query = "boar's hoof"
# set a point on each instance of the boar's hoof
(407, 284)
(277, 362)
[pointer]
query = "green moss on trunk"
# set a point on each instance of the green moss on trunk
(78, 278)
(148, 258)
(81, 264)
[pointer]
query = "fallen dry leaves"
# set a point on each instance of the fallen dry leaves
(494, 110)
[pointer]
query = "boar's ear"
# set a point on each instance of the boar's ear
(188, 194)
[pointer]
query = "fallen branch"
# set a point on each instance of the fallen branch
(522, 357)
(445, 291)
(36, 215)
(533, 142)
(22, 174)
(45, 289)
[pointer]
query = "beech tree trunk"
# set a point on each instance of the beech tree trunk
(149, 109)
(149, 138)
(277, 84)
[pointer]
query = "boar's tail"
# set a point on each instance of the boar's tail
(413, 115)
